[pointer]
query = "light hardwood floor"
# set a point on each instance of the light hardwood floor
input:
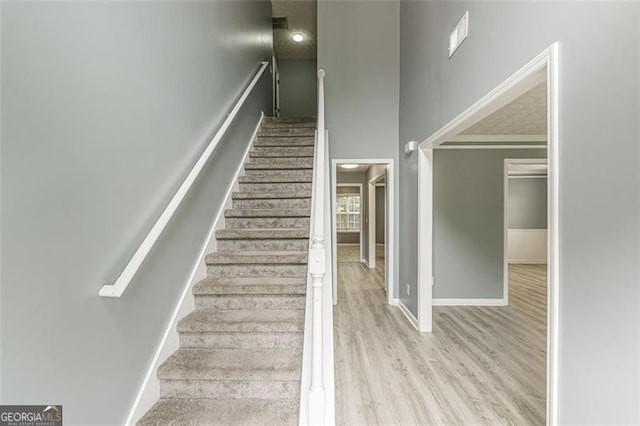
(481, 365)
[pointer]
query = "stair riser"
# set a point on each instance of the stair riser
(260, 270)
(289, 289)
(297, 142)
(267, 124)
(276, 175)
(281, 152)
(282, 203)
(287, 131)
(268, 389)
(263, 245)
(279, 163)
(266, 222)
(275, 187)
(235, 302)
(240, 340)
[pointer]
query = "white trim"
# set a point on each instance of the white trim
(366, 263)
(425, 237)
(520, 82)
(407, 313)
(491, 147)
(120, 285)
(468, 302)
(149, 391)
(390, 258)
(527, 176)
(498, 138)
(371, 200)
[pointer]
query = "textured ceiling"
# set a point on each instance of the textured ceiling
(302, 18)
(360, 168)
(526, 115)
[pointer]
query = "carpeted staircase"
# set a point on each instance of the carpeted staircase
(240, 355)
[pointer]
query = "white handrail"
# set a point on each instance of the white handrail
(120, 285)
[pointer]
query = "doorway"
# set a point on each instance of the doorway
(541, 71)
(525, 218)
(359, 186)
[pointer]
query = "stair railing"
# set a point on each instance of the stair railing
(122, 282)
(317, 404)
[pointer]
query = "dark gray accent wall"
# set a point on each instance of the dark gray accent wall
(105, 108)
(358, 46)
(599, 101)
(527, 203)
(298, 87)
(468, 221)
(380, 214)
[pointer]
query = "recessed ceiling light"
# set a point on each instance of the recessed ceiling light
(298, 38)
(349, 166)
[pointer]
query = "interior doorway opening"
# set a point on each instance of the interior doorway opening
(362, 200)
(474, 129)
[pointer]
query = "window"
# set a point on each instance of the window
(348, 212)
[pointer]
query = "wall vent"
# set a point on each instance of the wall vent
(280, 23)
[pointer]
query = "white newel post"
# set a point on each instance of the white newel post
(317, 269)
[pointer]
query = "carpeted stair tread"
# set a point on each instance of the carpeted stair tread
(267, 213)
(243, 321)
(261, 163)
(280, 179)
(282, 141)
(232, 364)
(243, 195)
(262, 234)
(250, 285)
(221, 412)
(252, 257)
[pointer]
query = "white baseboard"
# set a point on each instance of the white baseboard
(527, 262)
(407, 313)
(469, 302)
(149, 392)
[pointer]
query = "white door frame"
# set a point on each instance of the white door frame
(520, 82)
(372, 219)
(505, 220)
(389, 271)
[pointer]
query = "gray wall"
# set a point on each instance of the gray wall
(354, 237)
(468, 218)
(527, 203)
(599, 168)
(380, 213)
(358, 46)
(105, 108)
(298, 87)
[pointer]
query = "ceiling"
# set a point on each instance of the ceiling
(302, 18)
(360, 168)
(526, 115)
